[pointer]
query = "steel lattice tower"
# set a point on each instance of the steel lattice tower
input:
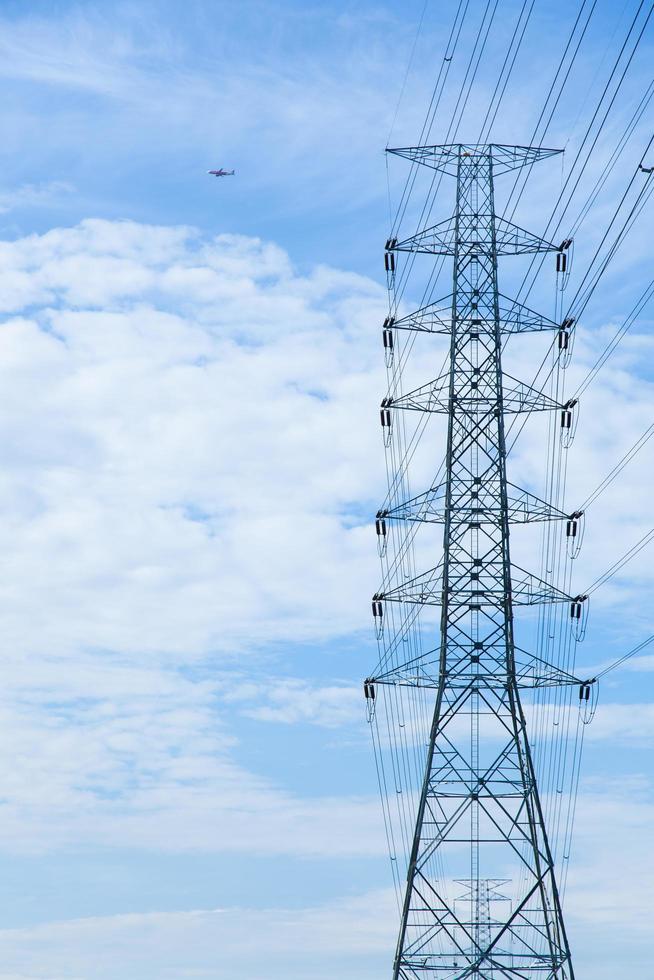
(480, 894)
(479, 803)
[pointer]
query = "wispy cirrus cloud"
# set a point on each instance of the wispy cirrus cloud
(354, 933)
(34, 195)
(290, 701)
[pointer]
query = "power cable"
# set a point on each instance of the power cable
(640, 305)
(624, 658)
(408, 69)
(619, 466)
(621, 562)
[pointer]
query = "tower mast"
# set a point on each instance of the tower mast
(479, 812)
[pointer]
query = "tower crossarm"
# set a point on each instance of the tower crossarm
(447, 158)
(531, 672)
(482, 505)
(475, 586)
(436, 317)
(474, 392)
(449, 236)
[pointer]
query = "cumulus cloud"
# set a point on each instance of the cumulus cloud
(185, 457)
(185, 453)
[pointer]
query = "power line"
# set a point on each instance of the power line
(645, 297)
(627, 656)
(619, 466)
(621, 562)
(408, 69)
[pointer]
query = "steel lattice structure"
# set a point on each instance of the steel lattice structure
(479, 804)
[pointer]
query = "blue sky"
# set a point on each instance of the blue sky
(191, 371)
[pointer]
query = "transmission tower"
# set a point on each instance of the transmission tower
(479, 814)
(480, 894)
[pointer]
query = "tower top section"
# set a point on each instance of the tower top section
(446, 158)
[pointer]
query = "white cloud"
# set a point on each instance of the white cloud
(34, 195)
(611, 863)
(622, 723)
(312, 943)
(182, 471)
(290, 700)
(618, 724)
(98, 752)
(182, 459)
(245, 107)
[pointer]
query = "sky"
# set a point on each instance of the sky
(190, 372)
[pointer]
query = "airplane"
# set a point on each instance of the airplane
(221, 173)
